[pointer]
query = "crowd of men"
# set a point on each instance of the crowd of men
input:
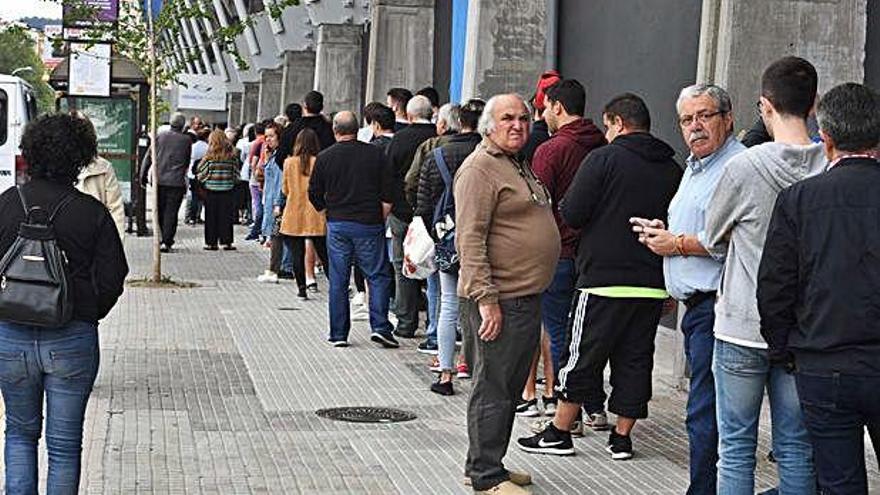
(554, 237)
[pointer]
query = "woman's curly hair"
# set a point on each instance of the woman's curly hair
(58, 146)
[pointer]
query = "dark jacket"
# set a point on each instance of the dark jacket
(819, 278)
(173, 151)
(382, 142)
(431, 183)
(555, 163)
(317, 123)
(401, 152)
(87, 235)
(538, 134)
(634, 176)
(351, 180)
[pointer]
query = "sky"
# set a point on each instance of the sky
(16, 9)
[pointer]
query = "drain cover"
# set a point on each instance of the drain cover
(366, 414)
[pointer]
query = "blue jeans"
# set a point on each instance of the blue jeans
(836, 408)
(363, 245)
(555, 305)
(741, 376)
(257, 208)
(702, 427)
(58, 364)
(433, 296)
(447, 320)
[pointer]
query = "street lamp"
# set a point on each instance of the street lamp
(23, 69)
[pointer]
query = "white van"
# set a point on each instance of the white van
(18, 106)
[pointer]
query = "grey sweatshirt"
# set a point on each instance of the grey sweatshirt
(736, 225)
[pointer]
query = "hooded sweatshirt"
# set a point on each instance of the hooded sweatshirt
(736, 225)
(634, 176)
(556, 161)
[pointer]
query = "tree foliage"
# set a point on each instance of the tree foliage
(17, 50)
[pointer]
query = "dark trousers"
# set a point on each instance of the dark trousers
(298, 251)
(500, 371)
(359, 281)
(193, 202)
(555, 306)
(619, 330)
(219, 209)
(407, 291)
(276, 253)
(702, 426)
(836, 408)
(170, 198)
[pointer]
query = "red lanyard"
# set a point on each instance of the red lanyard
(835, 162)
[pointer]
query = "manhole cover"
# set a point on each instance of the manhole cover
(366, 414)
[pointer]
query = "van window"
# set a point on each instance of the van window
(4, 116)
(31, 103)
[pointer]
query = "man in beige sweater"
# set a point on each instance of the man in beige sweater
(508, 245)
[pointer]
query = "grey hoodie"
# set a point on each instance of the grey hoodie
(736, 225)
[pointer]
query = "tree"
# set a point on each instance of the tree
(136, 36)
(18, 50)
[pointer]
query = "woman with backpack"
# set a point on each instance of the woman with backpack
(435, 205)
(300, 221)
(218, 173)
(49, 346)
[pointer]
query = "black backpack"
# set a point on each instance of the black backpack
(35, 287)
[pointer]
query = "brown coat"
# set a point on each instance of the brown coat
(300, 219)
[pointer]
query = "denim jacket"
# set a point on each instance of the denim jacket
(271, 193)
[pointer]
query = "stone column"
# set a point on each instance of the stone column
(269, 99)
(753, 33)
(338, 66)
(250, 102)
(401, 46)
(505, 47)
(233, 109)
(298, 77)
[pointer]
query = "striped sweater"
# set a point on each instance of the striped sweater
(219, 176)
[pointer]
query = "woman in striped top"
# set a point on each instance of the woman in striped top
(218, 173)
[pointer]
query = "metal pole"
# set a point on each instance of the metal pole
(154, 170)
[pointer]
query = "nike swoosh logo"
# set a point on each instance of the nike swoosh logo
(542, 443)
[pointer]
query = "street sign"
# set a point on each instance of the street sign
(87, 13)
(89, 66)
(201, 92)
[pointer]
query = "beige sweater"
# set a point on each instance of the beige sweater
(507, 241)
(99, 181)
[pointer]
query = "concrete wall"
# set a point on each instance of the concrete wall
(250, 102)
(338, 66)
(872, 47)
(654, 59)
(401, 46)
(233, 108)
(298, 76)
(754, 33)
(269, 104)
(505, 47)
(442, 47)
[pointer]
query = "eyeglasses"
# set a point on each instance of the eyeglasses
(702, 118)
(540, 200)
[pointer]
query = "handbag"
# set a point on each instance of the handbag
(35, 287)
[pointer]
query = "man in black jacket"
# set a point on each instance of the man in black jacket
(312, 118)
(620, 295)
(819, 288)
(401, 152)
(173, 152)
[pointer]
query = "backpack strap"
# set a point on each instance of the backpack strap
(441, 205)
(441, 166)
(23, 202)
(60, 206)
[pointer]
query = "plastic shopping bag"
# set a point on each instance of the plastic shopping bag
(418, 251)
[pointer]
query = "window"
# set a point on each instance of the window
(31, 104)
(4, 116)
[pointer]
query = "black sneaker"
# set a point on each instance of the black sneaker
(442, 388)
(301, 294)
(387, 341)
(550, 441)
(619, 446)
(404, 335)
(527, 408)
(285, 275)
(428, 348)
(313, 287)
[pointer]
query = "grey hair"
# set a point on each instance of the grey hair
(850, 115)
(717, 93)
(420, 107)
(450, 114)
(487, 123)
(281, 120)
(345, 123)
(178, 120)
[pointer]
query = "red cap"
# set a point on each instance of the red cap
(546, 80)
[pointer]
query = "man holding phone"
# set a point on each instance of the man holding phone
(692, 276)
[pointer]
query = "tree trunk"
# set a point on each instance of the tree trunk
(154, 170)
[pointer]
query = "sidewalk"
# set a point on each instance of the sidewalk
(214, 390)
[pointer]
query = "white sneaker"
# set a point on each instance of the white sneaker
(268, 277)
(360, 313)
(358, 299)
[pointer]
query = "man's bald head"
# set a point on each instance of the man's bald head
(345, 123)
